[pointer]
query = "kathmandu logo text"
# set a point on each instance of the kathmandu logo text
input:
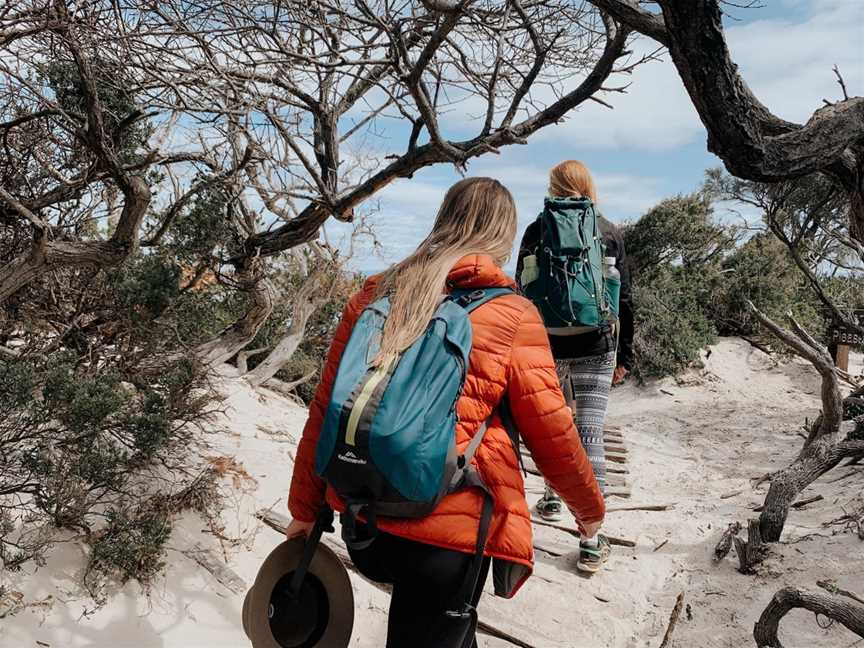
(350, 457)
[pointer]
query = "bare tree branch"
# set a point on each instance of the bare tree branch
(628, 12)
(752, 142)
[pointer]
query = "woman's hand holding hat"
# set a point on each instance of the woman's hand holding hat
(298, 528)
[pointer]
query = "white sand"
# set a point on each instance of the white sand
(739, 418)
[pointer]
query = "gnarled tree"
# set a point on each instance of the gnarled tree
(752, 142)
(308, 85)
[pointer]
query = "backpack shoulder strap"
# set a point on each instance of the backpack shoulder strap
(472, 299)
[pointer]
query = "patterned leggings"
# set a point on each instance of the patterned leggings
(586, 383)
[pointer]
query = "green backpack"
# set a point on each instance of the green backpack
(565, 278)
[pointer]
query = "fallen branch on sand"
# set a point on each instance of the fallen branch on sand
(279, 523)
(758, 481)
(849, 474)
(661, 545)
(620, 542)
(850, 521)
(731, 494)
(673, 620)
(848, 614)
(831, 586)
(207, 560)
(640, 507)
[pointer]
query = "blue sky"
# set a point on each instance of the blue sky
(652, 145)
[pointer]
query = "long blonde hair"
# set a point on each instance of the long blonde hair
(572, 178)
(477, 216)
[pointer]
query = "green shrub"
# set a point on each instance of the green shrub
(760, 271)
(131, 547)
(675, 251)
(679, 231)
(672, 325)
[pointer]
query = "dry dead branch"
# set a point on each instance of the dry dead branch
(835, 608)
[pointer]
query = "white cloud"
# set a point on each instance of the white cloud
(408, 207)
(655, 114)
(788, 64)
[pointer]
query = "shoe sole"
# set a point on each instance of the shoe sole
(592, 568)
(549, 517)
(588, 569)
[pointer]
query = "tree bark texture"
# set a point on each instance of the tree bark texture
(282, 353)
(753, 143)
(815, 460)
(45, 255)
(233, 339)
(844, 612)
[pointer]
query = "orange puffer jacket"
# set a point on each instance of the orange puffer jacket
(510, 357)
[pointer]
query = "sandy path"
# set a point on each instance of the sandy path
(687, 445)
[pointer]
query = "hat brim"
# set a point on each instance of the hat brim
(327, 568)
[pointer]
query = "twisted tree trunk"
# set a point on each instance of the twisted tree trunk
(283, 351)
(815, 460)
(304, 307)
(45, 254)
(233, 339)
(823, 450)
(753, 143)
(848, 614)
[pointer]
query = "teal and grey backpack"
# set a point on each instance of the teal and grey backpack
(564, 278)
(388, 442)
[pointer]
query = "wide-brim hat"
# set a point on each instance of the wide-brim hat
(323, 613)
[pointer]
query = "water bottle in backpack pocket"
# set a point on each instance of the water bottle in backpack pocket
(613, 285)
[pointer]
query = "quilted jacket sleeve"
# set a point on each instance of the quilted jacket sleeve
(545, 422)
(307, 488)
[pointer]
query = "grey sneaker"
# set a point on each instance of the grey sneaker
(591, 558)
(549, 507)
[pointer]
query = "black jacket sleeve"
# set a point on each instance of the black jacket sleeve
(615, 247)
(528, 246)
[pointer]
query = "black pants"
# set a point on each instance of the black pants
(426, 583)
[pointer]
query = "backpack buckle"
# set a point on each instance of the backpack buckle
(460, 614)
(473, 296)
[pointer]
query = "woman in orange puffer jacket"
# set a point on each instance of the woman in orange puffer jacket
(426, 559)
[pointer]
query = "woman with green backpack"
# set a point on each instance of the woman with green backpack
(572, 266)
(430, 362)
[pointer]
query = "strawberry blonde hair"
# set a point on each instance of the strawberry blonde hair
(572, 179)
(477, 216)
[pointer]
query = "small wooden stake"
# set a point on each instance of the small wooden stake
(673, 619)
(842, 361)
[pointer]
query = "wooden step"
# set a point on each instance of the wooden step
(616, 480)
(616, 457)
(623, 493)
